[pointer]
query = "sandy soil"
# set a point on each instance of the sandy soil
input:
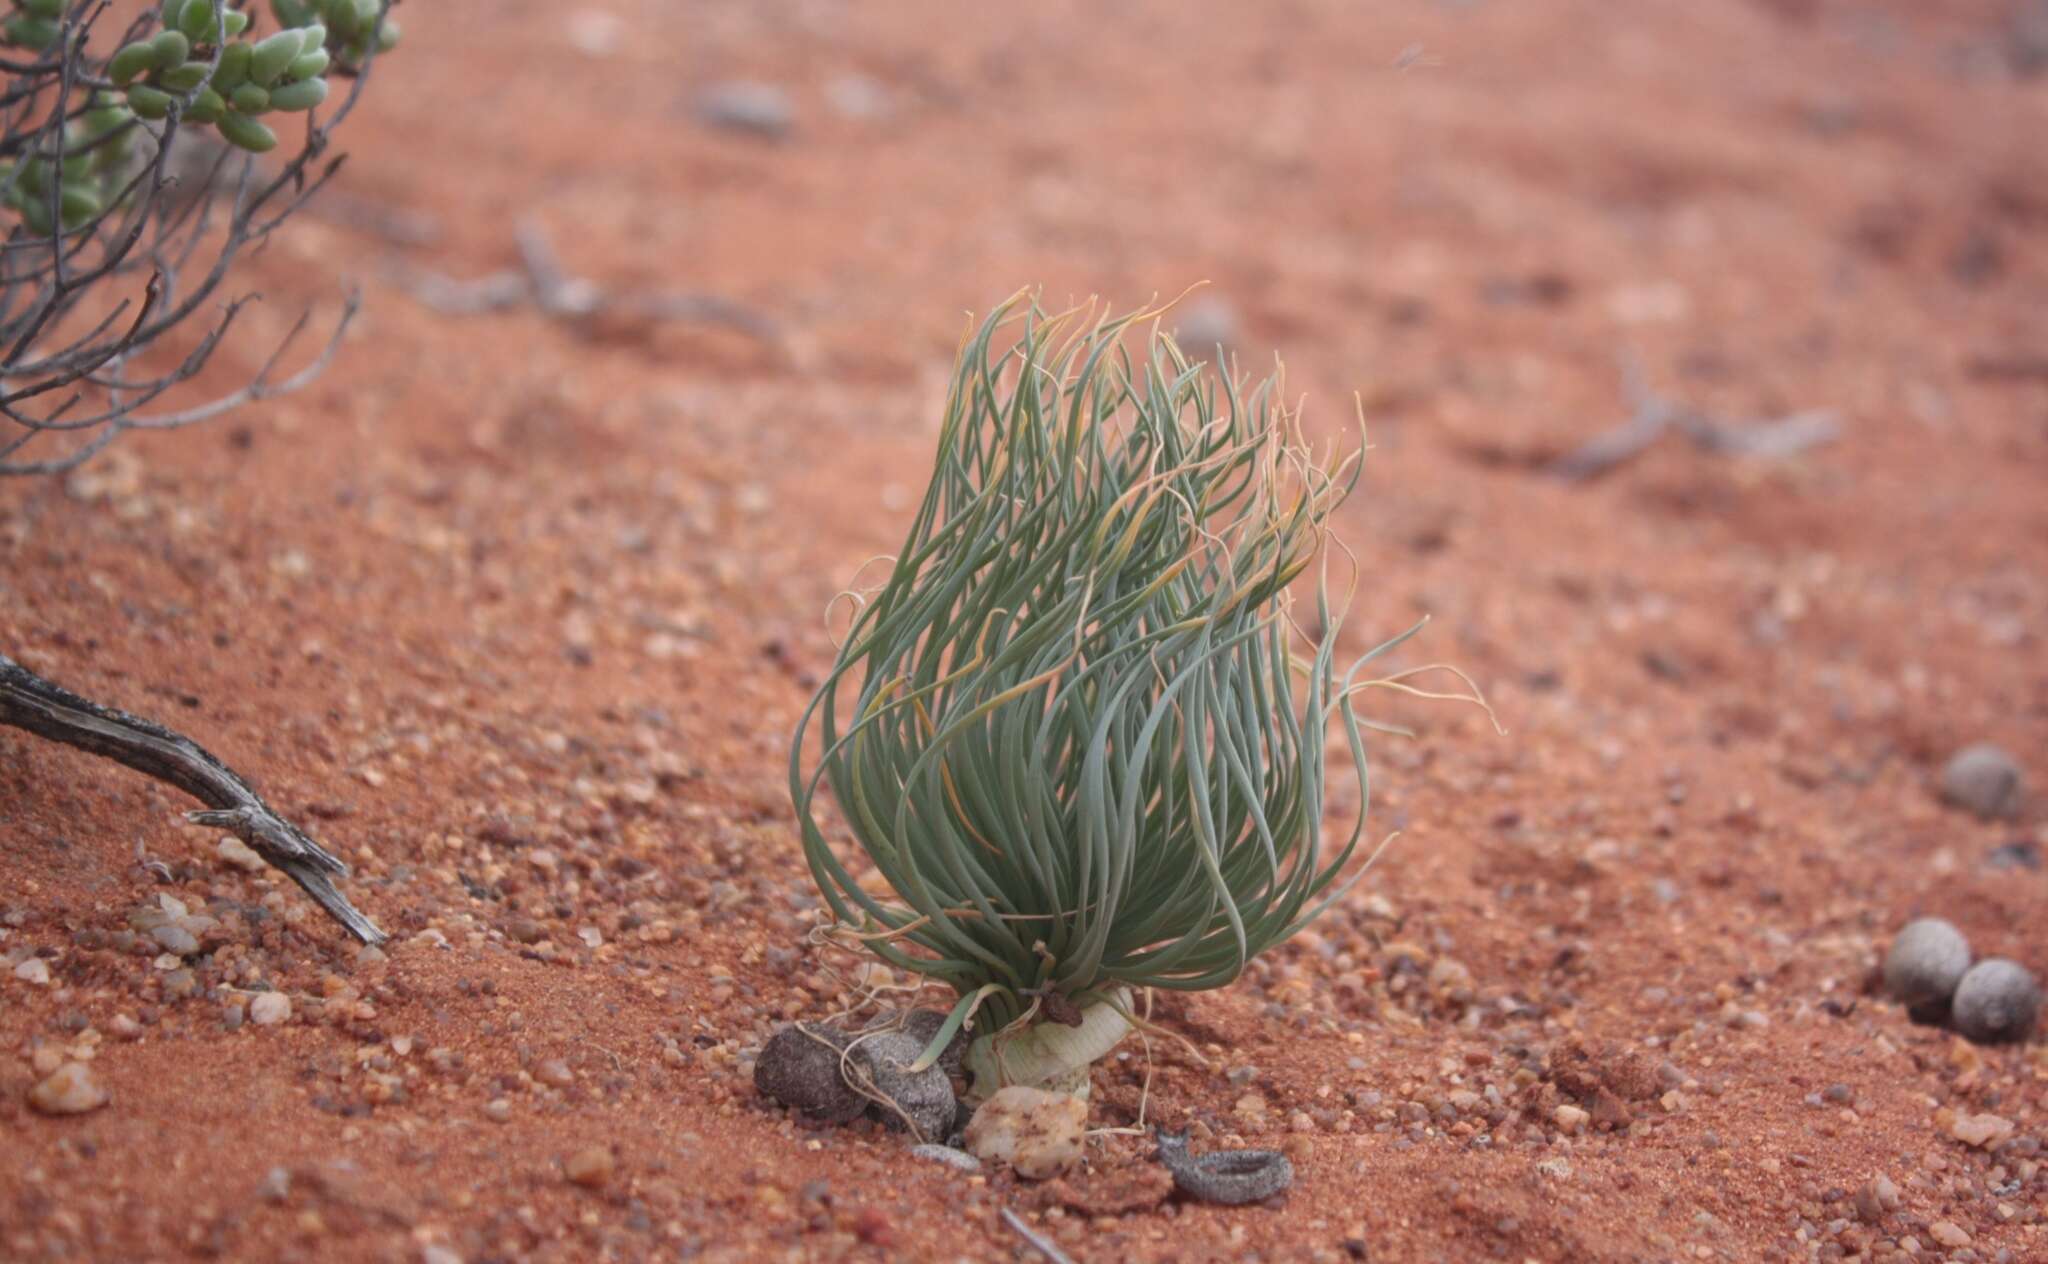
(518, 614)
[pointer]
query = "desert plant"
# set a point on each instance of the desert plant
(129, 188)
(1078, 731)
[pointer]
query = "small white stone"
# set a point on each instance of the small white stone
(267, 1009)
(1036, 1132)
(69, 1090)
(1981, 1131)
(240, 855)
(33, 970)
(956, 1159)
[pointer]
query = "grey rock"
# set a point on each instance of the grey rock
(1996, 1001)
(947, 1155)
(926, 1096)
(1926, 961)
(799, 1067)
(743, 105)
(1985, 780)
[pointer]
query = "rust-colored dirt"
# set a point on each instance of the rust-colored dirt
(518, 616)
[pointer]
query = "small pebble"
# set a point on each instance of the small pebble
(267, 1009)
(1981, 1131)
(33, 970)
(947, 1155)
(276, 1186)
(1985, 780)
(1878, 1196)
(857, 97)
(759, 109)
(591, 1168)
(240, 855)
(69, 1090)
(1996, 1001)
(2021, 853)
(1927, 959)
(498, 1110)
(175, 938)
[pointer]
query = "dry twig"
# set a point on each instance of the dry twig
(541, 280)
(1652, 416)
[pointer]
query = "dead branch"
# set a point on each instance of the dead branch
(541, 280)
(48, 710)
(1652, 416)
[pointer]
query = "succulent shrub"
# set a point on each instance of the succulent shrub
(1078, 732)
(129, 188)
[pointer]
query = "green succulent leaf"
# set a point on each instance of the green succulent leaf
(131, 61)
(148, 102)
(250, 99)
(303, 95)
(182, 79)
(233, 70)
(36, 33)
(169, 50)
(250, 134)
(207, 107)
(197, 20)
(273, 56)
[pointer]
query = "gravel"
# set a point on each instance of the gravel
(1985, 780)
(1927, 959)
(1996, 1001)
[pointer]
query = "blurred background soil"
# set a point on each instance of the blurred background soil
(517, 608)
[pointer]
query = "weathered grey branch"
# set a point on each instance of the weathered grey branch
(540, 279)
(1652, 415)
(29, 702)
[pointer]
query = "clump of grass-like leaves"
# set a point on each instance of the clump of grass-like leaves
(1078, 731)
